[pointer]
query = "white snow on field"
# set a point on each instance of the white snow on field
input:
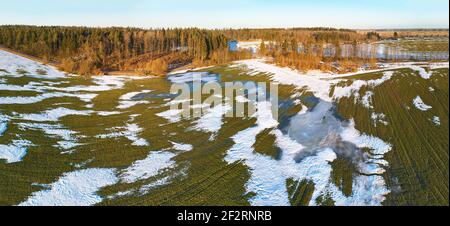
(422, 72)
(176, 102)
(418, 102)
(183, 71)
(13, 64)
(77, 188)
(241, 99)
(367, 100)
(320, 83)
(367, 191)
(160, 182)
(287, 76)
(24, 100)
(126, 101)
(379, 118)
(442, 65)
(268, 186)
(212, 120)
(130, 131)
(125, 104)
(102, 83)
(108, 113)
(375, 144)
(53, 115)
(154, 168)
(182, 147)
(348, 91)
(3, 124)
(436, 120)
(39, 98)
(172, 116)
(105, 83)
(155, 164)
(7, 87)
(190, 77)
(371, 169)
(268, 176)
(121, 194)
(15, 151)
(69, 137)
(129, 96)
(3, 127)
(31, 86)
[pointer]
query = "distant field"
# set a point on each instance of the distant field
(410, 33)
(420, 45)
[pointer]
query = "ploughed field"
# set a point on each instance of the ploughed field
(368, 138)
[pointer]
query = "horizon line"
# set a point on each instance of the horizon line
(233, 28)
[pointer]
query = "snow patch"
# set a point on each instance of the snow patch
(126, 100)
(53, 115)
(172, 116)
(125, 104)
(129, 96)
(268, 176)
(422, 72)
(15, 151)
(69, 137)
(241, 99)
(130, 131)
(287, 76)
(212, 120)
(436, 120)
(17, 66)
(190, 77)
(348, 91)
(108, 113)
(154, 164)
(367, 100)
(418, 102)
(319, 83)
(3, 124)
(379, 118)
(375, 144)
(102, 83)
(182, 147)
(39, 98)
(77, 188)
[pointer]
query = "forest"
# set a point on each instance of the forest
(87, 51)
(94, 50)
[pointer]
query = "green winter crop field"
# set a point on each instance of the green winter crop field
(362, 139)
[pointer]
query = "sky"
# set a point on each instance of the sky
(354, 14)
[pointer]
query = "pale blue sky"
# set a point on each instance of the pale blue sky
(230, 13)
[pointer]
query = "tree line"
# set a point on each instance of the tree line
(84, 50)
